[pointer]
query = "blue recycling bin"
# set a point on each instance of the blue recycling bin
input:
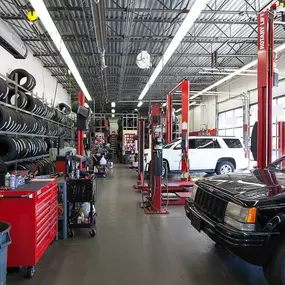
(5, 241)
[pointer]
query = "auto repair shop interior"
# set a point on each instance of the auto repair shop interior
(142, 142)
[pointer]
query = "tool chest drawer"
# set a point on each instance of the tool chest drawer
(32, 212)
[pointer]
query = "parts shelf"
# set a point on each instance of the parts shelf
(80, 191)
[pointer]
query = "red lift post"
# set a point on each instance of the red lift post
(156, 162)
(265, 84)
(80, 133)
(141, 148)
(281, 140)
(185, 88)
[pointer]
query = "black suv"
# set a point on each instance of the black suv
(245, 213)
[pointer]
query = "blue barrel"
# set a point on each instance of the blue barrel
(5, 241)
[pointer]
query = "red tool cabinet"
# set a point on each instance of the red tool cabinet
(32, 212)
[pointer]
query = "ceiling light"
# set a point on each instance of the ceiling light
(86, 105)
(113, 104)
(49, 25)
(140, 104)
(113, 111)
(188, 22)
(247, 66)
(113, 115)
(136, 110)
(230, 76)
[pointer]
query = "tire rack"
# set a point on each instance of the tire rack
(17, 87)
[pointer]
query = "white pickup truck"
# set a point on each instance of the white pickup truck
(206, 154)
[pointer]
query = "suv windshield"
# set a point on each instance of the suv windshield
(169, 145)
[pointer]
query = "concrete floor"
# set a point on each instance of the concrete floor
(134, 249)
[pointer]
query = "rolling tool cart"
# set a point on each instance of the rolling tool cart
(81, 198)
(31, 210)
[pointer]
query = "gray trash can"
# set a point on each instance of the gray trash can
(5, 241)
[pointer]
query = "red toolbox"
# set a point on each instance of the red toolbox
(32, 212)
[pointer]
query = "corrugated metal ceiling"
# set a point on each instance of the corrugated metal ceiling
(228, 27)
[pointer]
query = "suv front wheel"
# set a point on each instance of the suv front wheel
(224, 167)
(274, 271)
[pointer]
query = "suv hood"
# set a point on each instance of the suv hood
(259, 184)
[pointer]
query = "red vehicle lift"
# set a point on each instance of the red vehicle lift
(185, 88)
(265, 84)
(141, 148)
(155, 206)
(281, 138)
(80, 133)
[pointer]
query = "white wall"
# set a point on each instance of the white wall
(45, 82)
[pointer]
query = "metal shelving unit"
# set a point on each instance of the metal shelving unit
(33, 158)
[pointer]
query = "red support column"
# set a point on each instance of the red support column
(141, 148)
(156, 162)
(265, 84)
(169, 122)
(185, 134)
(80, 133)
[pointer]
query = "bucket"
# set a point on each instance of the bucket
(5, 241)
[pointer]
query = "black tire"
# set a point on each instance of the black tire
(4, 89)
(71, 233)
(64, 108)
(30, 82)
(165, 169)
(8, 150)
(92, 232)
(31, 103)
(274, 271)
(21, 99)
(224, 167)
(30, 271)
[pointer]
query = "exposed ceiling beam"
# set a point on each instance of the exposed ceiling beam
(135, 66)
(155, 10)
(139, 20)
(152, 54)
(143, 76)
(159, 39)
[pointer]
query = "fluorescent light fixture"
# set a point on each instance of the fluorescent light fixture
(86, 105)
(136, 110)
(238, 72)
(113, 111)
(140, 104)
(49, 25)
(113, 115)
(230, 76)
(188, 22)
(113, 104)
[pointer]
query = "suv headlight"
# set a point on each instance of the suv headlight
(194, 191)
(240, 218)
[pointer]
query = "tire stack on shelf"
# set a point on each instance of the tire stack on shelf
(37, 119)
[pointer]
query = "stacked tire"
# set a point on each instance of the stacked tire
(17, 148)
(23, 78)
(40, 167)
(13, 121)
